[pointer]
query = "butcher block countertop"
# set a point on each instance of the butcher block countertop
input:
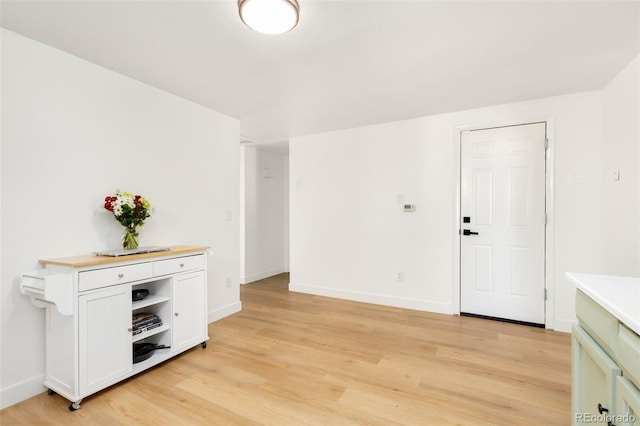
(620, 296)
(93, 260)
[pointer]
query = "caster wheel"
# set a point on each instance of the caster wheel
(50, 392)
(203, 344)
(74, 406)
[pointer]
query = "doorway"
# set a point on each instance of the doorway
(503, 222)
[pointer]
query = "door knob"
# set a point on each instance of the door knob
(468, 232)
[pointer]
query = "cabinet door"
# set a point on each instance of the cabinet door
(593, 380)
(105, 338)
(628, 404)
(189, 310)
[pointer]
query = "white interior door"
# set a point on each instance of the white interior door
(502, 247)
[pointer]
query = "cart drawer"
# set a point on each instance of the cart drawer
(88, 280)
(179, 264)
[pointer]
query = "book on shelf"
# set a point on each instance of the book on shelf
(148, 324)
(145, 323)
(147, 328)
(141, 320)
(141, 316)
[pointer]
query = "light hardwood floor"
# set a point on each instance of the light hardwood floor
(296, 359)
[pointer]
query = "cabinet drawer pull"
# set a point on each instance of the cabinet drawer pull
(121, 275)
(176, 314)
(602, 410)
(182, 265)
(129, 330)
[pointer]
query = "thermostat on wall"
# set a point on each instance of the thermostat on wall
(409, 207)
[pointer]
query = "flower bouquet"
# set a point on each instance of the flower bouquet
(131, 211)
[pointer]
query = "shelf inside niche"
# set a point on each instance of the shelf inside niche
(150, 300)
(145, 334)
(158, 356)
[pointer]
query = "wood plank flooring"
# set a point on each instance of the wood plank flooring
(297, 359)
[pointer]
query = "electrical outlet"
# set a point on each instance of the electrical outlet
(400, 276)
(228, 280)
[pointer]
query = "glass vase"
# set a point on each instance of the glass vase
(130, 238)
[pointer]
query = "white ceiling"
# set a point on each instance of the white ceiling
(348, 63)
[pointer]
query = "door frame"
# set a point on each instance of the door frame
(549, 317)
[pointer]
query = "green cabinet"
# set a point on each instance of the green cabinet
(605, 368)
(627, 403)
(594, 380)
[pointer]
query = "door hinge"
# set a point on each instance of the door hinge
(546, 144)
(546, 219)
(545, 295)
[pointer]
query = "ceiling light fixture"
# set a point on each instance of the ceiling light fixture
(269, 16)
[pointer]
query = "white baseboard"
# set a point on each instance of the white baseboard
(224, 312)
(563, 325)
(378, 299)
(21, 391)
(246, 279)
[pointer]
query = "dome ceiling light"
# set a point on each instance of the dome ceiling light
(269, 16)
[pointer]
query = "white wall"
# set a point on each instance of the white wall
(72, 133)
(265, 214)
(349, 237)
(620, 151)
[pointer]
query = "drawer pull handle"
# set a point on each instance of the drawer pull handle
(129, 330)
(120, 275)
(601, 410)
(176, 314)
(182, 265)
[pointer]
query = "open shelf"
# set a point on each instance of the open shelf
(157, 302)
(150, 333)
(150, 300)
(158, 356)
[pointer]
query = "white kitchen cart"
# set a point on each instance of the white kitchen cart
(89, 308)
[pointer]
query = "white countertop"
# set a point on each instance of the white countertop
(620, 296)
